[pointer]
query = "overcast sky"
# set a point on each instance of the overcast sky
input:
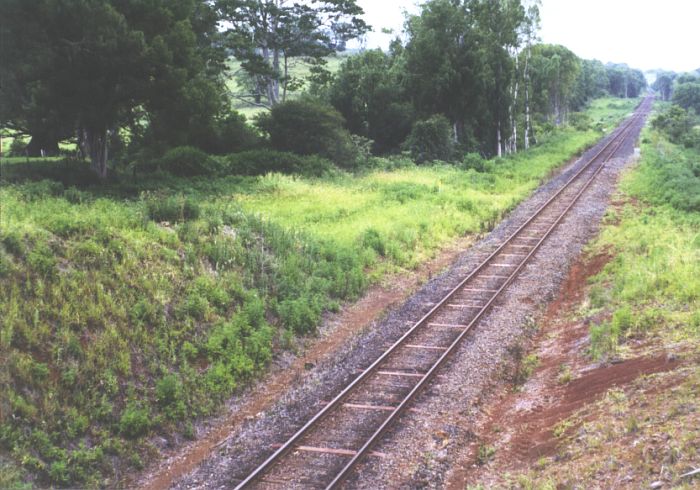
(645, 34)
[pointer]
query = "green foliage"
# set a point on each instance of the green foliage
(116, 327)
(135, 421)
(161, 207)
(474, 161)
(308, 127)
(431, 140)
(169, 395)
(677, 124)
(652, 286)
(187, 161)
(260, 162)
(580, 120)
(157, 57)
(368, 92)
(687, 95)
(233, 134)
(262, 35)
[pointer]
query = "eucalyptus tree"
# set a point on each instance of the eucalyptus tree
(664, 84)
(265, 35)
(458, 64)
(555, 71)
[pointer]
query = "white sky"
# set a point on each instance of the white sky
(645, 34)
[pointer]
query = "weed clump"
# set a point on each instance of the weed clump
(161, 208)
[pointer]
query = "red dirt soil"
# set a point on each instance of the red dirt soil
(520, 425)
(351, 320)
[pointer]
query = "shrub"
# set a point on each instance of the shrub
(18, 148)
(260, 162)
(474, 161)
(580, 121)
(309, 127)
(134, 422)
(372, 239)
(33, 191)
(169, 396)
(676, 123)
(187, 161)
(170, 208)
(42, 259)
(234, 134)
(75, 196)
(301, 315)
(431, 140)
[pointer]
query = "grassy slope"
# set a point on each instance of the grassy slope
(647, 431)
(117, 326)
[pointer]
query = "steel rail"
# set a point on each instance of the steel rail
(450, 350)
(616, 137)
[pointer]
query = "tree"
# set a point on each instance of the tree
(664, 84)
(95, 65)
(592, 82)
(687, 96)
(624, 81)
(555, 71)
(369, 92)
(459, 64)
(499, 25)
(309, 127)
(266, 34)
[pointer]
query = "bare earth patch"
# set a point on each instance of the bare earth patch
(557, 422)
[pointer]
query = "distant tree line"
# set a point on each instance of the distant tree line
(681, 119)
(137, 78)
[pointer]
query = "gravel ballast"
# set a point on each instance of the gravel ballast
(420, 448)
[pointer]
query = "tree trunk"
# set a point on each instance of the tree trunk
(499, 151)
(94, 145)
(527, 98)
(286, 77)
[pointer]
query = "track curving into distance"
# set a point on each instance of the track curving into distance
(326, 449)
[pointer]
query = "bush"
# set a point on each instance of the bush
(580, 121)
(34, 191)
(373, 240)
(260, 162)
(187, 161)
(169, 396)
(474, 161)
(676, 123)
(18, 148)
(234, 134)
(308, 127)
(170, 208)
(134, 422)
(431, 140)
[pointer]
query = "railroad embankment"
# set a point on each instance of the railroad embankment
(611, 398)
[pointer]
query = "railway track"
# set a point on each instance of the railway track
(326, 449)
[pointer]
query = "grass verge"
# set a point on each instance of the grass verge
(645, 301)
(130, 310)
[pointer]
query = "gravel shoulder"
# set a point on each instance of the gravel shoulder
(421, 450)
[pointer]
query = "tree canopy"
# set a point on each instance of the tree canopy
(89, 67)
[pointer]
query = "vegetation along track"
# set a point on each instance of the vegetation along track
(327, 448)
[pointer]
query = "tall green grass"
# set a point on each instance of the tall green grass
(652, 286)
(131, 309)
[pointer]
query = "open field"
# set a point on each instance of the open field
(132, 309)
